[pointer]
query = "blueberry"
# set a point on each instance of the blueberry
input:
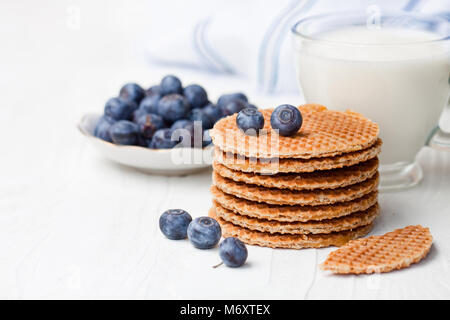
(173, 107)
(199, 115)
(233, 107)
(196, 95)
(204, 232)
(250, 119)
(143, 142)
(148, 124)
(213, 112)
(150, 103)
(174, 223)
(153, 90)
(286, 119)
(170, 84)
(119, 109)
(233, 252)
(249, 105)
(206, 138)
(190, 135)
(227, 98)
(162, 139)
(180, 124)
(102, 128)
(132, 92)
(137, 114)
(124, 132)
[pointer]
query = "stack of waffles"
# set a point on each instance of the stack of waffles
(314, 189)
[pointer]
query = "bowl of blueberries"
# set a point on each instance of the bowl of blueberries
(161, 130)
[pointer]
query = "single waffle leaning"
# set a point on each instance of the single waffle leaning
(324, 133)
(394, 250)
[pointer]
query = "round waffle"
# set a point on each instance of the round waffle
(295, 197)
(352, 221)
(291, 213)
(329, 179)
(324, 133)
(287, 165)
(297, 241)
(394, 250)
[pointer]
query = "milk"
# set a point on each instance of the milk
(401, 87)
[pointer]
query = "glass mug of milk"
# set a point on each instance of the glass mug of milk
(393, 69)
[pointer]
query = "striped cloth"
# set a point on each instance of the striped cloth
(248, 39)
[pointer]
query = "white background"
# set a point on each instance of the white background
(74, 225)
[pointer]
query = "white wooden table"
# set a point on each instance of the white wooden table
(74, 225)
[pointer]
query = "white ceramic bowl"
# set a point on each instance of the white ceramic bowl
(177, 161)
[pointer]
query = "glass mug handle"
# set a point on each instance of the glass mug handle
(438, 138)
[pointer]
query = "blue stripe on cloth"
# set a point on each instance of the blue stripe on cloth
(412, 5)
(213, 55)
(196, 40)
(445, 15)
(268, 34)
(281, 37)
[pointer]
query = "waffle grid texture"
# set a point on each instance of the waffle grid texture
(295, 197)
(291, 213)
(329, 179)
(289, 241)
(317, 188)
(392, 251)
(352, 221)
(292, 165)
(324, 133)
